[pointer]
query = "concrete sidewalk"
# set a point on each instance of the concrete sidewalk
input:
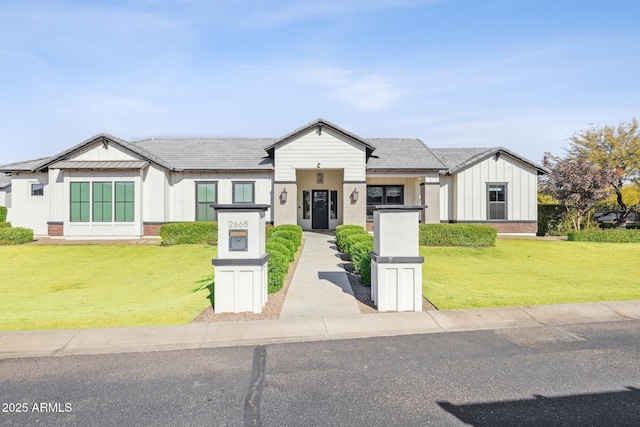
(319, 287)
(315, 328)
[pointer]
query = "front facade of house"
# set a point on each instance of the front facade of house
(318, 176)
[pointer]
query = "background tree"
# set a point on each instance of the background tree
(617, 148)
(577, 184)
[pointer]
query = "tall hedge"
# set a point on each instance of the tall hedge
(15, 236)
(618, 235)
(550, 220)
(3, 213)
(360, 255)
(282, 244)
(185, 233)
(457, 235)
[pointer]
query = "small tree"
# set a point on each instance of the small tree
(577, 185)
(617, 148)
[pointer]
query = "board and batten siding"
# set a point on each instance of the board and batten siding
(331, 150)
(97, 152)
(27, 210)
(468, 190)
(181, 191)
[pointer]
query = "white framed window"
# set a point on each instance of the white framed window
(37, 189)
(497, 201)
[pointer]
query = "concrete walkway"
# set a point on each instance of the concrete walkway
(319, 286)
(228, 334)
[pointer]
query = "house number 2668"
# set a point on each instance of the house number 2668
(238, 224)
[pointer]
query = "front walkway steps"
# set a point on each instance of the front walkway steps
(319, 286)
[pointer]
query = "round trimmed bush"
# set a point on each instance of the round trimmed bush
(291, 227)
(291, 247)
(289, 235)
(277, 270)
(15, 236)
(345, 232)
(352, 239)
(278, 245)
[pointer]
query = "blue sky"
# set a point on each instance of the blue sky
(524, 74)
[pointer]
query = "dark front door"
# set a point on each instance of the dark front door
(320, 210)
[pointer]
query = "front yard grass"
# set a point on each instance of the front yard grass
(60, 287)
(530, 272)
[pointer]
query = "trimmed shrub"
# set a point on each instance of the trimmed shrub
(633, 226)
(606, 236)
(268, 230)
(343, 231)
(3, 213)
(352, 239)
(292, 236)
(185, 233)
(278, 245)
(457, 235)
(15, 236)
(277, 270)
(291, 247)
(5, 224)
(296, 229)
(361, 259)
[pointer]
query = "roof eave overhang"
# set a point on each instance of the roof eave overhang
(540, 170)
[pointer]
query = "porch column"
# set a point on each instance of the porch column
(430, 196)
(354, 202)
(285, 201)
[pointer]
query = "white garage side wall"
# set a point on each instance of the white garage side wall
(154, 183)
(470, 190)
(102, 229)
(27, 210)
(181, 192)
(331, 150)
(447, 198)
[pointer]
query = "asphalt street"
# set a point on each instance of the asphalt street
(581, 374)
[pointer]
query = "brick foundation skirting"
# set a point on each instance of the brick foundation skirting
(152, 228)
(55, 229)
(510, 226)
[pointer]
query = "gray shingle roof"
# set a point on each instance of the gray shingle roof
(25, 166)
(402, 153)
(211, 153)
(457, 159)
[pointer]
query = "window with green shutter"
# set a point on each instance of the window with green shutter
(80, 202)
(206, 193)
(102, 202)
(124, 210)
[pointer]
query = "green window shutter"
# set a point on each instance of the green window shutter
(125, 202)
(79, 209)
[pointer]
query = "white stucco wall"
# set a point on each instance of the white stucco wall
(331, 150)
(464, 195)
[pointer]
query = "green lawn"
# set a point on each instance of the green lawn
(69, 286)
(530, 272)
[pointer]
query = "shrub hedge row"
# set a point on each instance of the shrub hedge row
(608, 236)
(457, 235)
(633, 226)
(356, 242)
(185, 233)
(3, 213)
(282, 244)
(5, 224)
(15, 236)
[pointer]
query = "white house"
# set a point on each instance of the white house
(317, 176)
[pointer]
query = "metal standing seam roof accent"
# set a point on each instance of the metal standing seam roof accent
(109, 138)
(110, 164)
(320, 122)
